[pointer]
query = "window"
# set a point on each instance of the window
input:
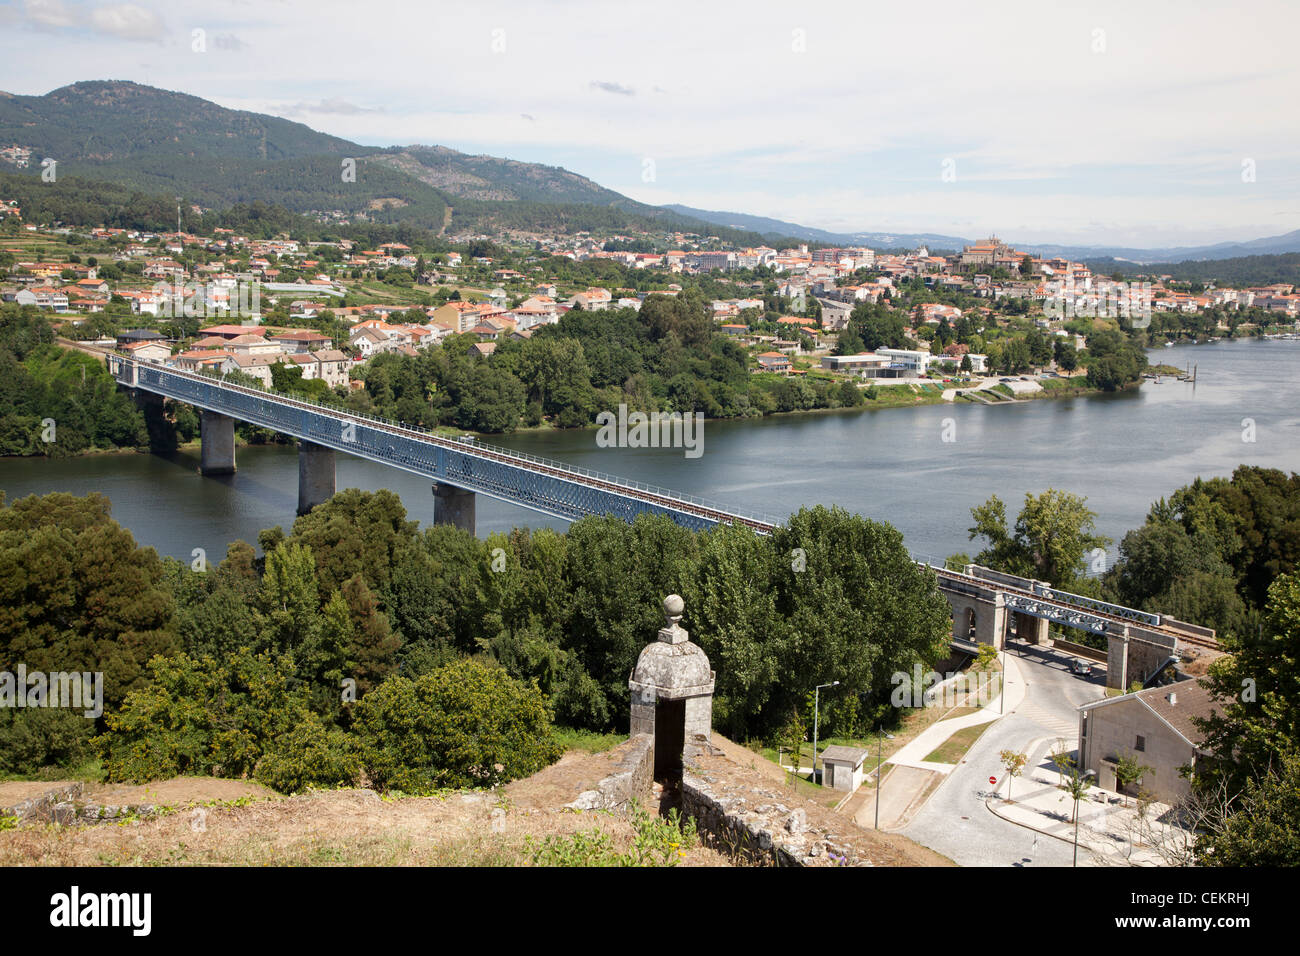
(1141, 744)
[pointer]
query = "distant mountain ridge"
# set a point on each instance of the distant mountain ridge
(163, 142)
(159, 141)
(1271, 245)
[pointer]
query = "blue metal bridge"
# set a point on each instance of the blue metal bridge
(550, 487)
(568, 492)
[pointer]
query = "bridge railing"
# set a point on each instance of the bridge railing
(475, 449)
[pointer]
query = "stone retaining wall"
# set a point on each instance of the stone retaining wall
(753, 823)
(633, 779)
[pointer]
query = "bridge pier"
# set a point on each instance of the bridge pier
(217, 438)
(452, 505)
(316, 476)
(979, 615)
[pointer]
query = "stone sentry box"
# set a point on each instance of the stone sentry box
(672, 694)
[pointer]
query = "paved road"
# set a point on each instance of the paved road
(955, 821)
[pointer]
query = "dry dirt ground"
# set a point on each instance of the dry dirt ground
(232, 822)
(209, 821)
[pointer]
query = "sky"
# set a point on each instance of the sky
(1068, 122)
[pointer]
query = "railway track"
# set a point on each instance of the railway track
(1195, 640)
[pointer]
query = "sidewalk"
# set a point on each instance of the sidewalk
(914, 753)
(1110, 833)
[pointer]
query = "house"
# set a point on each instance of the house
(197, 359)
(368, 342)
(252, 345)
(462, 316)
(774, 362)
(230, 331)
(334, 366)
(300, 340)
(483, 348)
(1156, 727)
(592, 300)
(835, 315)
(148, 351)
(258, 366)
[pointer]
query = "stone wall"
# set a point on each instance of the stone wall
(632, 779)
(762, 826)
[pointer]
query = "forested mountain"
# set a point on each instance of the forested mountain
(164, 144)
(491, 178)
(105, 120)
(1238, 271)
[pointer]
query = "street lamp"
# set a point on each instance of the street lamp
(1077, 794)
(817, 692)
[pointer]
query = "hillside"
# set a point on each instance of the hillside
(163, 143)
(111, 120)
(489, 178)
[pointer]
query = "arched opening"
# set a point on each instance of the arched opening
(970, 624)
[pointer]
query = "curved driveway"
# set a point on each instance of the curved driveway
(955, 821)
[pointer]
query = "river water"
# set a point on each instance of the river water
(1121, 451)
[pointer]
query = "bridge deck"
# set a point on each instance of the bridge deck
(551, 487)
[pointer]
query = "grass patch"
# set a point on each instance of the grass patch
(88, 771)
(585, 740)
(955, 747)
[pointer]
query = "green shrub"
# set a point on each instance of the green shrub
(201, 717)
(311, 756)
(465, 724)
(34, 738)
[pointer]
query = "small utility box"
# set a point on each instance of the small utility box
(842, 767)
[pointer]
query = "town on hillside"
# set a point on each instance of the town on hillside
(984, 323)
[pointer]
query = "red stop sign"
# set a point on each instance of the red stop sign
(993, 779)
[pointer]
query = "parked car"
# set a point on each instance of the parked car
(1082, 668)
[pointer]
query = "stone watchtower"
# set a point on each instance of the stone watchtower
(672, 694)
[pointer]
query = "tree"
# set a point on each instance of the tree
(79, 595)
(1256, 724)
(1077, 786)
(1052, 534)
(289, 597)
(1264, 829)
(201, 716)
(1128, 771)
(1013, 762)
(1062, 759)
(466, 724)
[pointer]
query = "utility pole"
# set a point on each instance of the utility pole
(817, 692)
(880, 749)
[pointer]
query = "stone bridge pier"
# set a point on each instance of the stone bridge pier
(217, 443)
(452, 505)
(316, 475)
(979, 614)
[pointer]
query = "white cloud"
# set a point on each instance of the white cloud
(128, 21)
(1145, 137)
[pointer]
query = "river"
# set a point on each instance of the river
(1122, 451)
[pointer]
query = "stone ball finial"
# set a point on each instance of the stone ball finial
(673, 608)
